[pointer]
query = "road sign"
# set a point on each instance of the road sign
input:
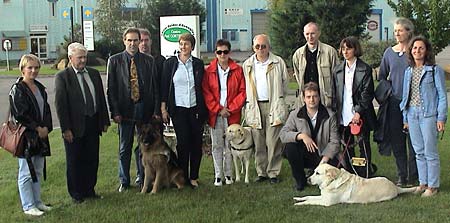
(88, 13)
(65, 13)
(7, 44)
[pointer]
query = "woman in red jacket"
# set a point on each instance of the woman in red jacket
(224, 93)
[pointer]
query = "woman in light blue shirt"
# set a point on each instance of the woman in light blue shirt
(424, 107)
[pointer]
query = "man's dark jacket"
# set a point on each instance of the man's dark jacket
(69, 101)
(119, 91)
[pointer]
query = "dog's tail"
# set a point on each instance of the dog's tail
(401, 190)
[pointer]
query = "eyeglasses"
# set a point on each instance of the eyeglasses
(262, 46)
(219, 52)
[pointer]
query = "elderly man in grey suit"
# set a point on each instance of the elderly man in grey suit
(83, 116)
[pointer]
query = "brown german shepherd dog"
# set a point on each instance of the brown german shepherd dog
(159, 161)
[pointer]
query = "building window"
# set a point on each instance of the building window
(230, 34)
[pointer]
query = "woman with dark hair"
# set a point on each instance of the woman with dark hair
(29, 107)
(352, 99)
(392, 68)
(424, 107)
(182, 100)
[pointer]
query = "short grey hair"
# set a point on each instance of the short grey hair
(144, 31)
(407, 25)
(73, 47)
(265, 37)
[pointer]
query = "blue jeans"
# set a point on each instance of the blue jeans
(30, 193)
(423, 133)
(126, 138)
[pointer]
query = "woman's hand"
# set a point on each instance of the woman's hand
(165, 116)
(440, 126)
(42, 131)
(356, 118)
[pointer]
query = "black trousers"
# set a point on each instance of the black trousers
(82, 157)
(406, 165)
(363, 142)
(189, 132)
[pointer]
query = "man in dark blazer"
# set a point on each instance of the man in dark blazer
(133, 97)
(83, 115)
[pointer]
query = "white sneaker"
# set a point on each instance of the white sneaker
(34, 212)
(218, 182)
(44, 207)
(228, 180)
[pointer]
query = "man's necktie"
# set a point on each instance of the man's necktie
(134, 84)
(89, 101)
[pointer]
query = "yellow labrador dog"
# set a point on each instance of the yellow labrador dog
(241, 142)
(339, 186)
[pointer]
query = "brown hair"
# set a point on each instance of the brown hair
(223, 42)
(352, 43)
(187, 37)
(310, 86)
(429, 56)
(131, 30)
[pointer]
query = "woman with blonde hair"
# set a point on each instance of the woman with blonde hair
(29, 107)
(392, 68)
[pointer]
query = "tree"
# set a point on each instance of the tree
(431, 19)
(109, 22)
(152, 10)
(336, 19)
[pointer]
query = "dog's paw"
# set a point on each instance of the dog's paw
(299, 199)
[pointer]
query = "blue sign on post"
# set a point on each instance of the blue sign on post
(88, 13)
(65, 13)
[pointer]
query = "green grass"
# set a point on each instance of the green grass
(45, 70)
(255, 202)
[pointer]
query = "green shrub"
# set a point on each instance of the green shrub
(373, 51)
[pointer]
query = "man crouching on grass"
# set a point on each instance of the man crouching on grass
(311, 135)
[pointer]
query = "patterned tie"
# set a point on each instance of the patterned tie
(89, 101)
(134, 84)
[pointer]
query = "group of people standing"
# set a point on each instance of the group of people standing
(140, 87)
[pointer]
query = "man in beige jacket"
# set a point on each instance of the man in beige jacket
(314, 62)
(266, 81)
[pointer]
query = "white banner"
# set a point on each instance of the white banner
(171, 27)
(88, 30)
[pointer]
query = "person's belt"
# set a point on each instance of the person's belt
(263, 101)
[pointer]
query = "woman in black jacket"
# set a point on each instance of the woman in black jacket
(182, 100)
(29, 107)
(352, 97)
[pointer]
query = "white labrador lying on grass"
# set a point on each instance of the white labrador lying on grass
(339, 186)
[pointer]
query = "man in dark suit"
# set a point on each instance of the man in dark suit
(133, 96)
(83, 115)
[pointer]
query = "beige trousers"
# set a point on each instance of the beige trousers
(268, 147)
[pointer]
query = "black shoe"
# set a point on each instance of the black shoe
(401, 182)
(123, 188)
(299, 187)
(260, 179)
(77, 200)
(274, 180)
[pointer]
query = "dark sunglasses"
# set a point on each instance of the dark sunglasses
(219, 52)
(262, 46)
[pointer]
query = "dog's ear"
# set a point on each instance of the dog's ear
(332, 172)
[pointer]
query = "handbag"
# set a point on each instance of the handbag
(11, 136)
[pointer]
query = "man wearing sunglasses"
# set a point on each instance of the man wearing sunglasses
(314, 62)
(224, 92)
(266, 80)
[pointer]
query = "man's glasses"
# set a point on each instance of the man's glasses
(219, 52)
(262, 46)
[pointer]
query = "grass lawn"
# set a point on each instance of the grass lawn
(256, 202)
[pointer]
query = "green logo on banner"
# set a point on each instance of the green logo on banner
(172, 34)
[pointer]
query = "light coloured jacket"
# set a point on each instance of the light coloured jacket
(327, 59)
(277, 79)
(327, 139)
(433, 94)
